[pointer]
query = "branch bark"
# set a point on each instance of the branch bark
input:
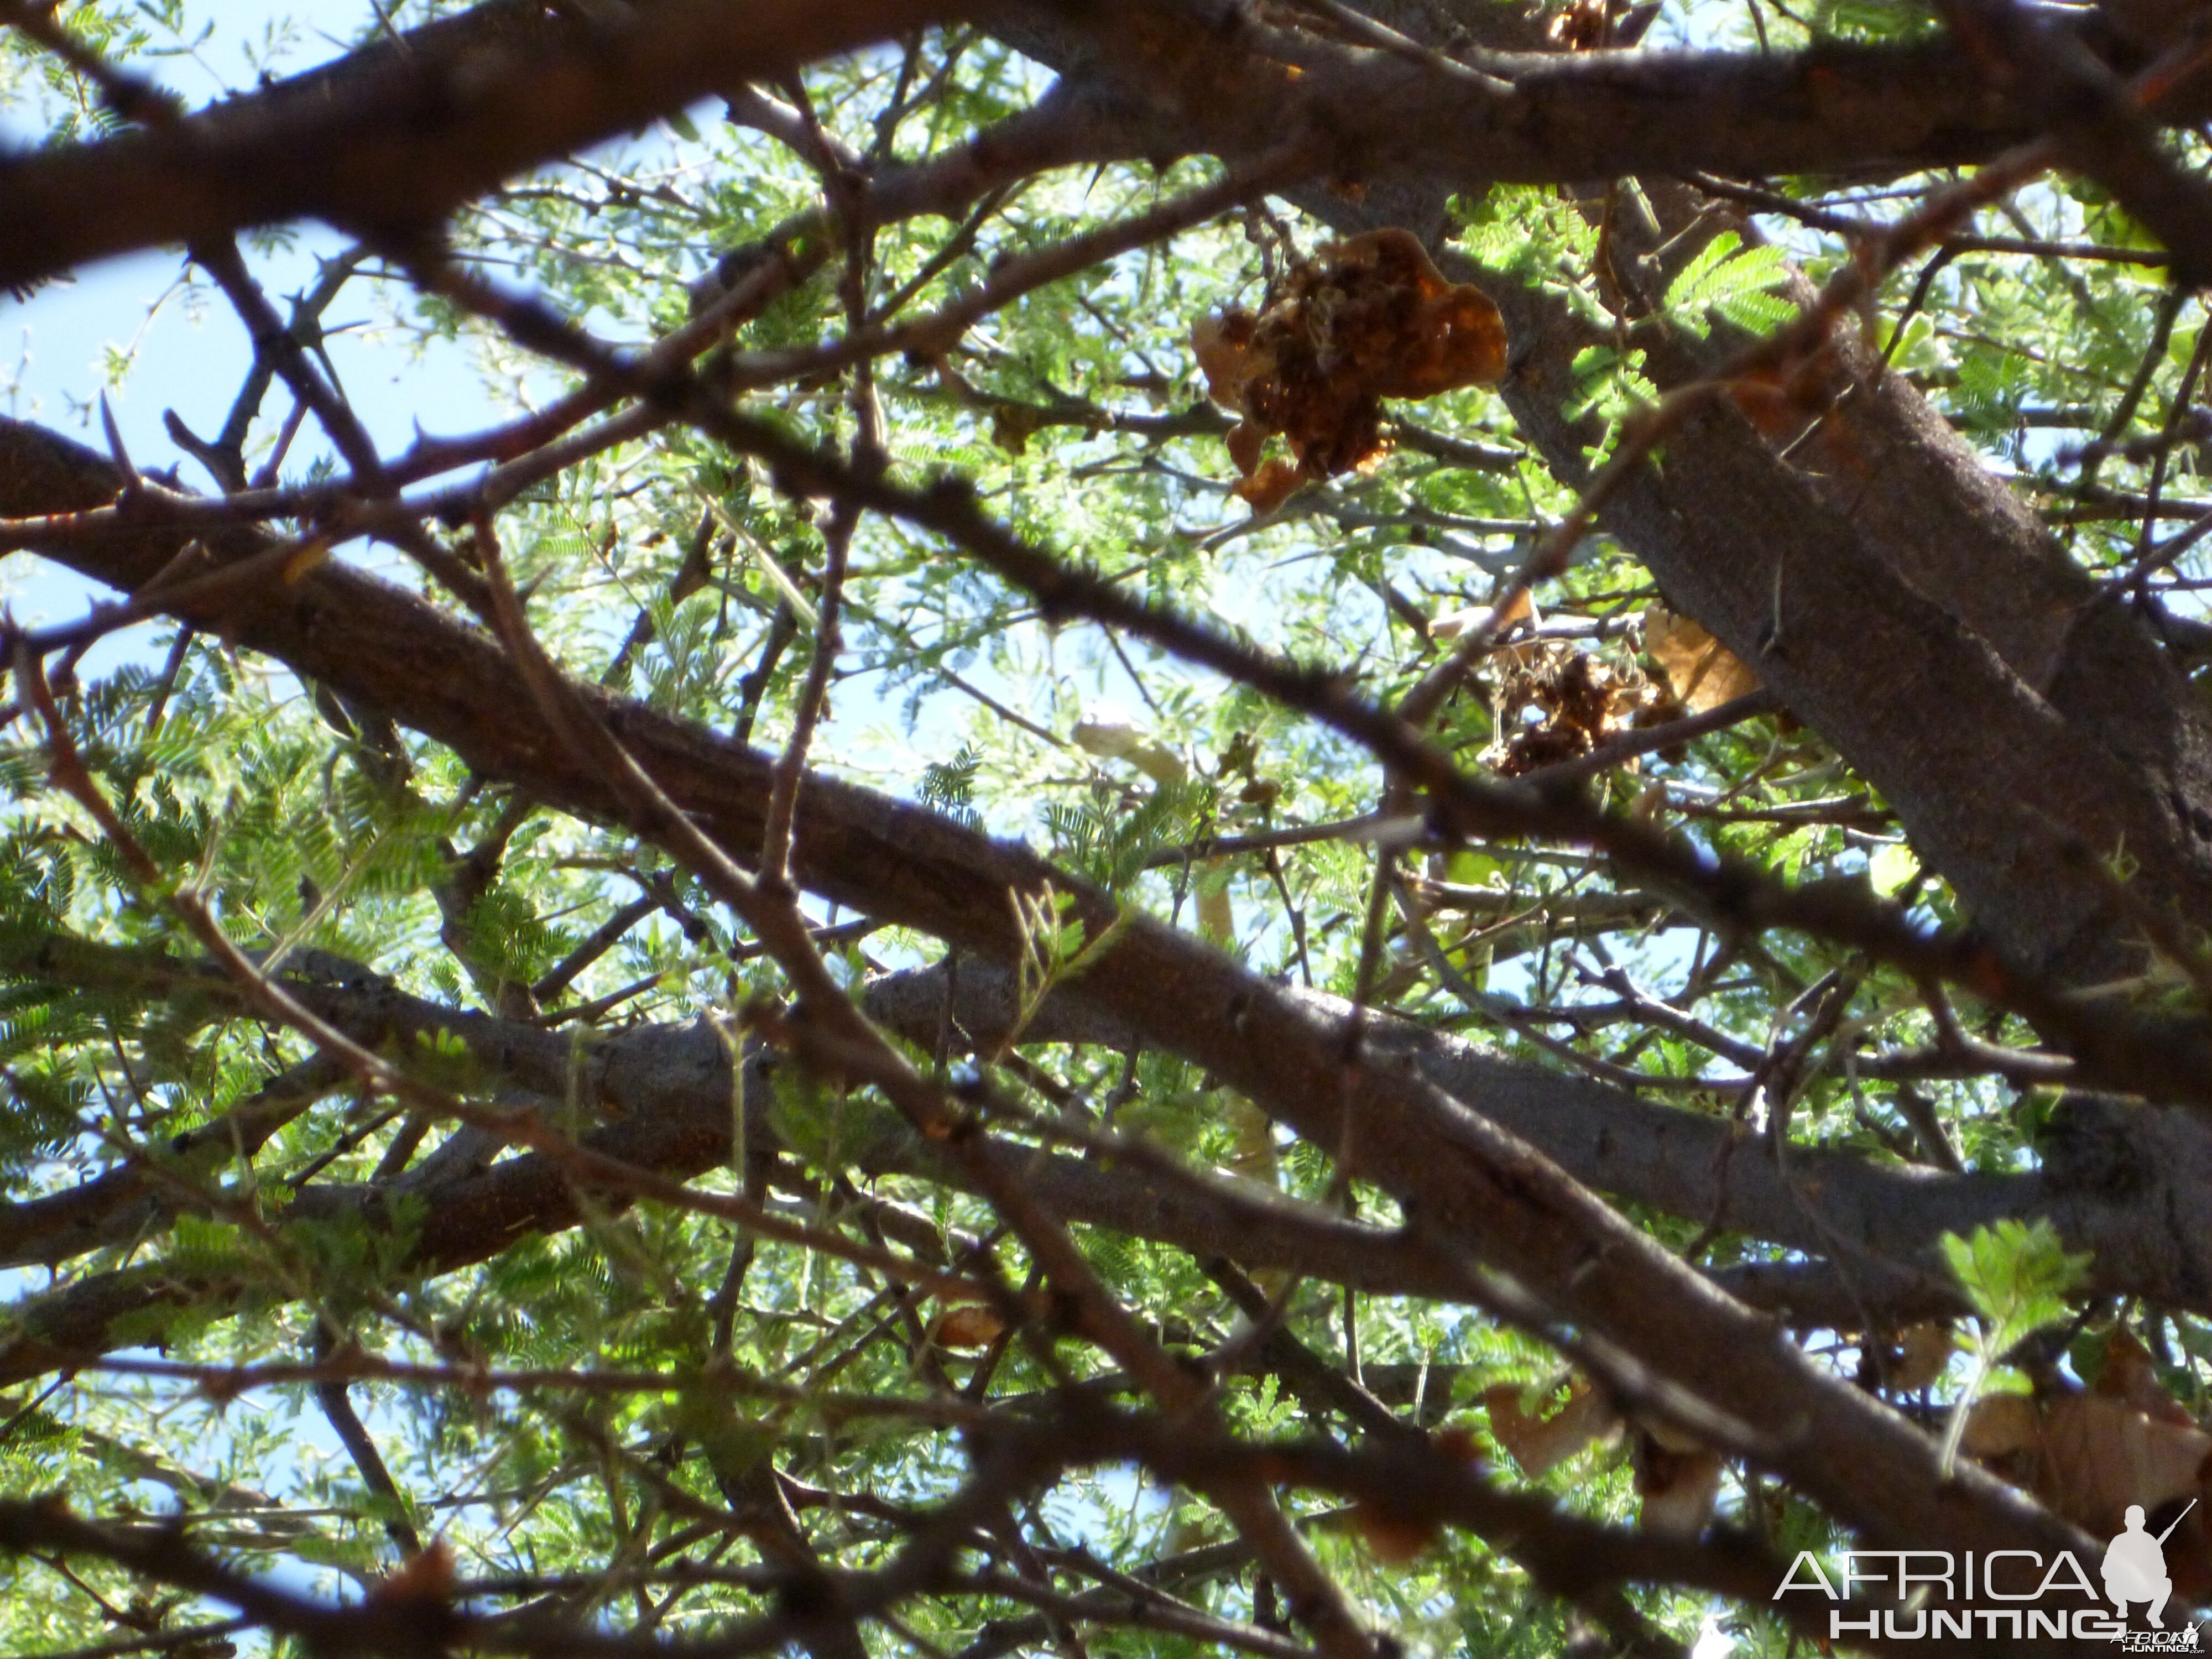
(398, 133)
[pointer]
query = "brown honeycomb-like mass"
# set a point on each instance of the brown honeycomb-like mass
(1361, 320)
(1579, 699)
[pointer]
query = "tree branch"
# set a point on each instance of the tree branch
(397, 134)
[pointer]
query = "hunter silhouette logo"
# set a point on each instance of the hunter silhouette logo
(2135, 1566)
(1935, 1594)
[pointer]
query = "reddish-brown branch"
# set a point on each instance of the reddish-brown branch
(399, 133)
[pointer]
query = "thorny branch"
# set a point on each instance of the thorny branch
(1489, 1168)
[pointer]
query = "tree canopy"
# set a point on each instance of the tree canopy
(1261, 826)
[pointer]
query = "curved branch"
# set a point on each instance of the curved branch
(397, 134)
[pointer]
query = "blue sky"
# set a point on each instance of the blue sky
(182, 349)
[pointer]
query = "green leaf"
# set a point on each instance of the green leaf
(1891, 867)
(2017, 1274)
(1733, 283)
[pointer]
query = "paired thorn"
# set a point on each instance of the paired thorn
(133, 482)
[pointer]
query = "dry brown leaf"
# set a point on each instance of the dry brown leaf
(1270, 486)
(1456, 1443)
(967, 1328)
(1922, 1350)
(426, 1578)
(1701, 671)
(1539, 1444)
(1999, 1425)
(1248, 444)
(1779, 401)
(1222, 345)
(2089, 1456)
(2100, 1455)
(1676, 1480)
(1395, 1539)
(2126, 1373)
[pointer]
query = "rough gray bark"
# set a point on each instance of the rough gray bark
(2133, 1187)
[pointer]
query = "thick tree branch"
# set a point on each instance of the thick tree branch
(668, 1088)
(396, 135)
